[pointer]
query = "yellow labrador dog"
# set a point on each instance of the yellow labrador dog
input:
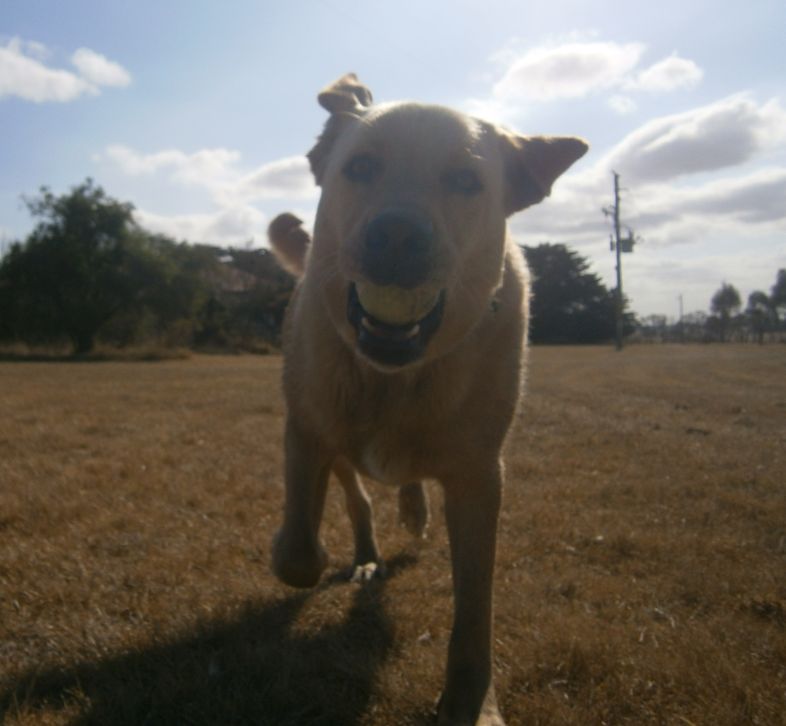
(405, 340)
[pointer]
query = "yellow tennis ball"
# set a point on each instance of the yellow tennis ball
(396, 305)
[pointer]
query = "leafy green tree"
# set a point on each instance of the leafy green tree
(186, 284)
(259, 311)
(173, 286)
(759, 313)
(696, 326)
(569, 303)
(88, 273)
(84, 262)
(725, 303)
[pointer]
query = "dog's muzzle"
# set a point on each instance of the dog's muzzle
(398, 248)
(392, 345)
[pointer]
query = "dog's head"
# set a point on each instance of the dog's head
(409, 240)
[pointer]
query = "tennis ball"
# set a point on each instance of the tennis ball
(396, 305)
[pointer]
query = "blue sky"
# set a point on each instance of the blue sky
(199, 113)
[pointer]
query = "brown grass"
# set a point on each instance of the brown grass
(641, 573)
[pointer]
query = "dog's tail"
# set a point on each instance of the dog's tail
(290, 242)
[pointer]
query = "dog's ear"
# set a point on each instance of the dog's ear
(532, 165)
(346, 95)
(345, 98)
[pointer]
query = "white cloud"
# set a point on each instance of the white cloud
(655, 280)
(667, 75)
(693, 237)
(218, 171)
(133, 163)
(35, 49)
(99, 70)
(622, 104)
(570, 70)
(723, 134)
(231, 225)
(757, 198)
(289, 177)
(208, 167)
(682, 182)
(232, 189)
(746, 209)
(24, 73)
(577, 66)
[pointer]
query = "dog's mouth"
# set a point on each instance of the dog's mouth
(389, 344)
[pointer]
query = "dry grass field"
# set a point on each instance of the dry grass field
(641, 574)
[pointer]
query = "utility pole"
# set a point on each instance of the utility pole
(681, 327)
(618, 250)
(619, 244)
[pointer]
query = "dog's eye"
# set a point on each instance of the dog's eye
(362, 168)
(463, 181)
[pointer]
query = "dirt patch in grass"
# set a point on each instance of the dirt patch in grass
(640, 573)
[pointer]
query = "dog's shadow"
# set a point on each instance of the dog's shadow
(253, 669)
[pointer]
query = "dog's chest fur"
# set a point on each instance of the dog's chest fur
(403, 427)
(385, 464)
(395, 425)
(425, 422)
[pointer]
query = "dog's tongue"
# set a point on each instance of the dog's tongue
(390, 332)
(396, 306)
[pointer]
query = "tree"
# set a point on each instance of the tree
(569, 303)
(778, 295)
(759, 313)
(88, 273)
(259, 311)
(725, 302)
(84, 262)
(695, 326)
(171, 290)
(654, 327)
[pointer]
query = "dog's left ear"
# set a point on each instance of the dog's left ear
(532, 165)
(345, 99)
(346, 95)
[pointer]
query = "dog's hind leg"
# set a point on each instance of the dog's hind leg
(413, 509)
(298, 555)
(368, 563)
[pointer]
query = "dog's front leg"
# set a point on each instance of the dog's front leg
(368, 564)
(298, 555)
(471, 509)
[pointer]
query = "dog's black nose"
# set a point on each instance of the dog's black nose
(398, 249)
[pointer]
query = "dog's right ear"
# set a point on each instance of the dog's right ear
(345, 98)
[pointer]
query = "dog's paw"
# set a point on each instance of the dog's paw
(367, 572)
(413, 509)
(299, 565)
